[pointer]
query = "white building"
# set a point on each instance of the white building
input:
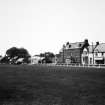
(36, 59)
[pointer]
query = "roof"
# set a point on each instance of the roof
(100, 47)
(75, 45)
(57, 55)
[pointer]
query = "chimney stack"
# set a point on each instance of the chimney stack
(97, 43)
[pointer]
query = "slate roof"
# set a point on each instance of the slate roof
(100, 48)
(75, 45)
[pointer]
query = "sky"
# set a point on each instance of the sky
(45, 25)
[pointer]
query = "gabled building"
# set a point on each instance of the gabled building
(99, 54)
(72, 52)
(94, 54)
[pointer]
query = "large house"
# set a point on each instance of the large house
(71, 52)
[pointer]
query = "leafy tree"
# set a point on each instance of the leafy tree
(48, 56)
(23, 53)
(12, 52)
(15, 53)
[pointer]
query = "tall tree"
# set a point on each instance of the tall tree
(12, 52)
(48, 56)
(16, 53)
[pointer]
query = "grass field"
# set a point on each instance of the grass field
(42, 85)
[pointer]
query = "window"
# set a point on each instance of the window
(85, 52)
(83, 59)
(102, 53)
(90, 60)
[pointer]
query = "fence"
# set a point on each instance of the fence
(76, 65)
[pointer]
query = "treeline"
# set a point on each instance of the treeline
(16, 55)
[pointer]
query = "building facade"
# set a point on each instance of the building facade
(72, 52)
(82, 53)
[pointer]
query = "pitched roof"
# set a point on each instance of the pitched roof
(75, 45)
(100, 47)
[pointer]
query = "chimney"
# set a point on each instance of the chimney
(86, 40)
(67, 43)
(86, 43)
(97, 43)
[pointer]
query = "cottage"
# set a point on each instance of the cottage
(99, 54)
(94, 54)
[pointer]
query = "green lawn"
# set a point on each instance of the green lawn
(42, 85)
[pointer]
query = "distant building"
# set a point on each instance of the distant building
(36, 59)
(72, 52)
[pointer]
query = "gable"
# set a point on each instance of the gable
(100, 48)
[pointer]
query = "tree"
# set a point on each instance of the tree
(48, 56)
(86, 44)
(23, 53)
(15, 53)
(12, 52)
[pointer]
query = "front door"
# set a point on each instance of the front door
(85, 60)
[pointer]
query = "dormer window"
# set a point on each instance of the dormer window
(85, 52)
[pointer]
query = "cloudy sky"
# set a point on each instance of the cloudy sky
(45, 25)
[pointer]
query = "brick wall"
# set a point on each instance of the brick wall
(73, 52)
